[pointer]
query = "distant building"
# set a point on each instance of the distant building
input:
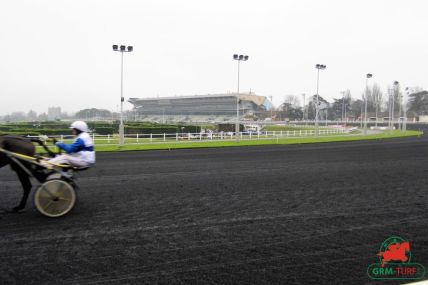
(423, 118)
(54, 113)
(200, 108)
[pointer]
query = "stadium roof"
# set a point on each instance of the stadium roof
(256, 99)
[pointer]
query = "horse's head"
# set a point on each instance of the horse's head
(405, 246)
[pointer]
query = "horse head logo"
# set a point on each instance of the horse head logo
(397, 252)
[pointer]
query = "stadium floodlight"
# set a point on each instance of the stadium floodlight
(318, 67)
(122, 49)
(368, 75)
(239, 58)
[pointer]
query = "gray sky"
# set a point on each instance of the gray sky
(58, 53)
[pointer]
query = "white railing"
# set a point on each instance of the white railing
(203, 136)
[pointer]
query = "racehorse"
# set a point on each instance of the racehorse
(22, 145)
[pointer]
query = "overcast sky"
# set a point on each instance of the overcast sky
(58, 53)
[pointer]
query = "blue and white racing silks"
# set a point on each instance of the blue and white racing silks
(82, 147)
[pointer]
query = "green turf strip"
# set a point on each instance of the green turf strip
(275, 141)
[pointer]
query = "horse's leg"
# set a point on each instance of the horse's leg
(26, 186)
(4, 160)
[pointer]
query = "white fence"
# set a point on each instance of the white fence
(204, 136)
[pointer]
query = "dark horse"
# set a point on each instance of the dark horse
(24, 146)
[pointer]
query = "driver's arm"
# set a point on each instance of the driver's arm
(76, 146)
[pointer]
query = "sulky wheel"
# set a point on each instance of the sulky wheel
(55, 198)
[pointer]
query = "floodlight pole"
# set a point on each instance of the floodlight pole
(121, 127)
(390, 95)
(343, 105)
(122, 49)
(318, 67)
(400, 99)
(405, 111)
(393, 100)
(238, 58)
(368, 75)
(237, 106)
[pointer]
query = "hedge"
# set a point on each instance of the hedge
(98, 128)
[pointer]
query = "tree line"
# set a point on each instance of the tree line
(348, 107)
(85, 114)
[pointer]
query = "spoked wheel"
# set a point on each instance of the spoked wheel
(55, 198)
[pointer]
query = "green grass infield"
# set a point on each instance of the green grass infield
(273, 141)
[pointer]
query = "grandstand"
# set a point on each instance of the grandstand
(199, 108)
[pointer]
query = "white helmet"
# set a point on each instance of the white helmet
(79, 125)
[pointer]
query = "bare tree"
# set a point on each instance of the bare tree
(292, 101)
(356, 108)
(394, 100)
(341, 106)
(377, 98)
(290, 108)
(323, 107)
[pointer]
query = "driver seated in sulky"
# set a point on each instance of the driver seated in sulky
(81, 152)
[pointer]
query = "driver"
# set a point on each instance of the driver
(81, 152)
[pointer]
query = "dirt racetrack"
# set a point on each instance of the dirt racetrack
(296, 214)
